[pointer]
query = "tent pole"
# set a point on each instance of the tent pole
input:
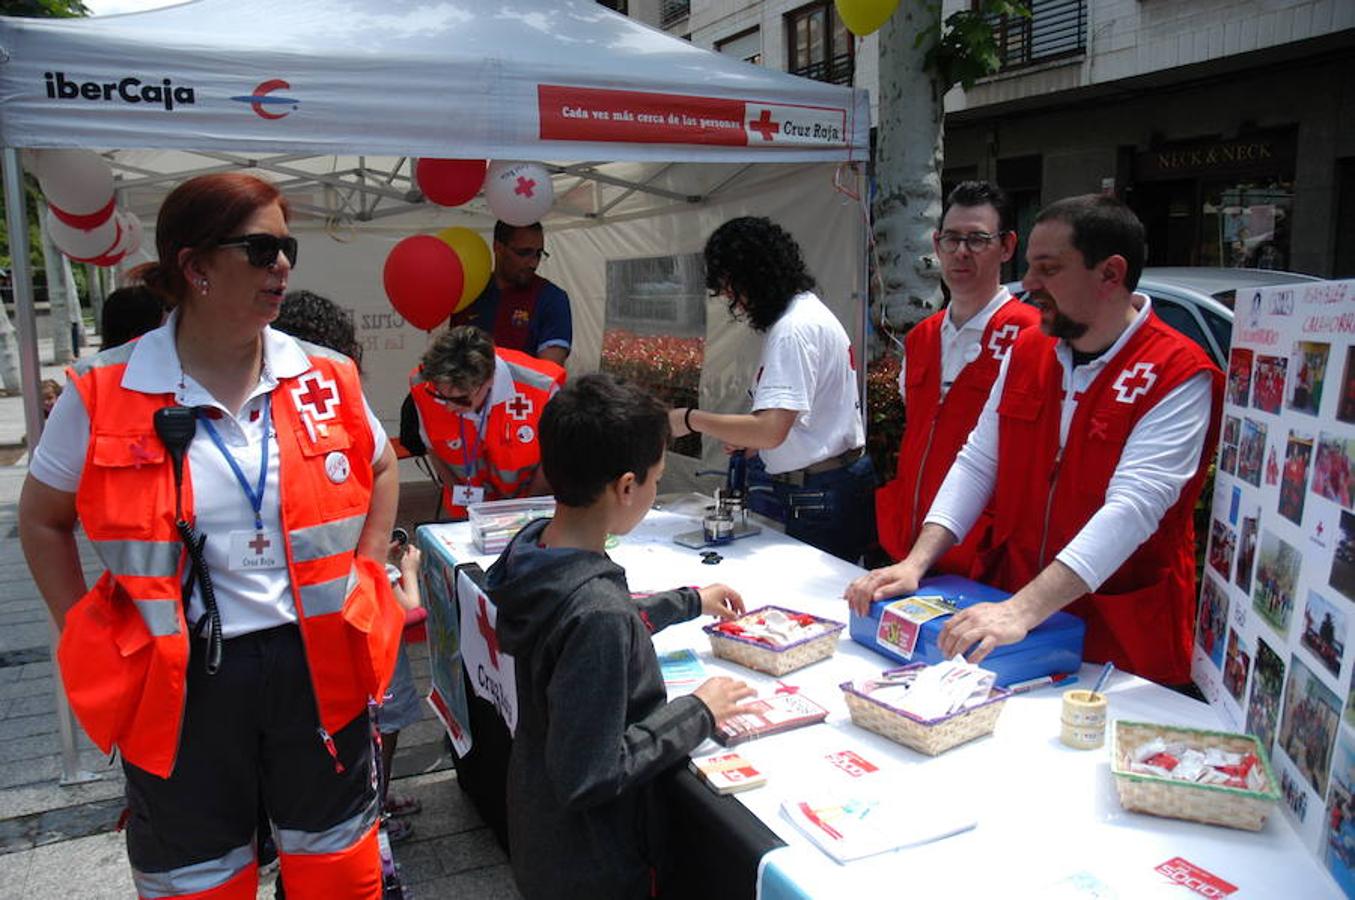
(30, 375)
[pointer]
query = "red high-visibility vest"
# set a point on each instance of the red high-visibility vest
(124, 650)
(938, 427)
(1142, 617)
(504, 460)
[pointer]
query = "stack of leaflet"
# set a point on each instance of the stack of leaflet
(497, 522)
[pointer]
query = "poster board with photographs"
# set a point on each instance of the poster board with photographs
(1277, 602)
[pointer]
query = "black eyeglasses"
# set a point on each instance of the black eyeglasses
(453, 399)
(530, 252)
(976, 241)
(262, 249)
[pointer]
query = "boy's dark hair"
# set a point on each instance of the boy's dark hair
(597, 429)
(319, 320)
(1102, 227)
(504, 233)
(463, 355)
(129, 312)
(981, 193)
(759, 264)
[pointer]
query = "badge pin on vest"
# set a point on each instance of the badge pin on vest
(336, 467)
(525, 434)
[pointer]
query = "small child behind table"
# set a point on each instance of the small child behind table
(401, 706)
(594, 727)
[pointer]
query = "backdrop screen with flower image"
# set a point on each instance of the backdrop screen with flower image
(655, 331)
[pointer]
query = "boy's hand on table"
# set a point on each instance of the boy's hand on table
(722, 696)
(720, 600)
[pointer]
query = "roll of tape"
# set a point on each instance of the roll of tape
(1084, 719)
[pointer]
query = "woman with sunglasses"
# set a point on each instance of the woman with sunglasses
(240, 495)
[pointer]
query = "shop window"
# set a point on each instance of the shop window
(819, 46)
(654, 334)
(746, 45)
(1246, 224)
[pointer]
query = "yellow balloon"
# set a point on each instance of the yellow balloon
(863, 17)
(476, 262)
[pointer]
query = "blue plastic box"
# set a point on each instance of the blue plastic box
(1053, 647)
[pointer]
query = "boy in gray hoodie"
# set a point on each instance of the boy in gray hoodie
(595, 728)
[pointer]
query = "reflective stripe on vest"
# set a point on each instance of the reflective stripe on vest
(327, 539)
(328, 596)
(143, 559)
(195, 877)
(331, 840)
(161, 616)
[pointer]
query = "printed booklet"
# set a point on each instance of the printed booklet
(770, 715)
(728, 773)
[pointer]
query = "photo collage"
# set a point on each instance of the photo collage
(1277, 599)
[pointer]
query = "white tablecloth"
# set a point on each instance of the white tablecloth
(1048, 815)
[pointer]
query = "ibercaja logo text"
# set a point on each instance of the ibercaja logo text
(127, 90)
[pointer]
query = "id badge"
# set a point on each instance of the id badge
(256, 551)
(466, 494)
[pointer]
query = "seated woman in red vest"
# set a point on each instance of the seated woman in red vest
(476, 412)
(239, 490)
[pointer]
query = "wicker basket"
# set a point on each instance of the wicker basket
(775, 660)
(929, 736)
(1209, 803)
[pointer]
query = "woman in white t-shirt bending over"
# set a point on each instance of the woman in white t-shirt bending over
(811, 471)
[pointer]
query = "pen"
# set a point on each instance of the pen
(1030, 684)
(1101, 680)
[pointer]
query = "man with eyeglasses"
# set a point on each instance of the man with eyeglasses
(476, 412)
(1091, 451)
(519, 308)
(950, 362)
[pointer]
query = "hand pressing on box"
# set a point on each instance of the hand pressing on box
(721, 601)
(722, 696)
(891, 581)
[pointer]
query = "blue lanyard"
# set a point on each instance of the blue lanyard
(473, 458)
(255, 494)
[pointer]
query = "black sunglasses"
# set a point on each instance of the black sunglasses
(262, 249)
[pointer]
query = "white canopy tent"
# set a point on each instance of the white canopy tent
(652, 143)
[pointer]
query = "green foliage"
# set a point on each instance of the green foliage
(964, 49)
(44, 9)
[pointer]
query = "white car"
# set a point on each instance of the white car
(1198, 301)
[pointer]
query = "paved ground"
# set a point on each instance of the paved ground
(60, 841)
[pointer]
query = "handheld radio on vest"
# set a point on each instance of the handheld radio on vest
(176, 426)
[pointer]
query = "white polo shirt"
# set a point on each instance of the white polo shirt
(248, 600)
(807, 366)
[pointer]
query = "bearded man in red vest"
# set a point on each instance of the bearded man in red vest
(950, 362)
(1091, 448)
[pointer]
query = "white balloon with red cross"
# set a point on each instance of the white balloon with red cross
(519, 193)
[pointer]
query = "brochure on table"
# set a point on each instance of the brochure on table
(1277, 599)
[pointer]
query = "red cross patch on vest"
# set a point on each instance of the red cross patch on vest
(1000, 341)
(316, 397)
(1133, 383)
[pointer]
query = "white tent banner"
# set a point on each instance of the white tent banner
(524, 79)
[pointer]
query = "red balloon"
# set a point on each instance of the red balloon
(423, 279)
(450, 182)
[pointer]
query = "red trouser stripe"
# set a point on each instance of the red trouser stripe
(350, 874)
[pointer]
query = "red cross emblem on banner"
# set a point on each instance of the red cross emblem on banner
(520, 407)
(1001, 341)
(526, 187)
(487, 632)
(1134, 383)
(316, 396)
(764, 125)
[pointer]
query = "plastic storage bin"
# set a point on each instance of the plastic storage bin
(494, 523)
(1053, 647)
